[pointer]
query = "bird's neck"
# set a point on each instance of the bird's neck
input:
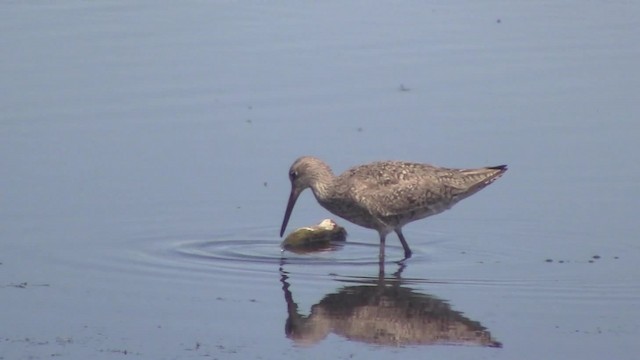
(322, 183)
(321, 191)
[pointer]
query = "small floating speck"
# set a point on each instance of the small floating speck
(595, 257)
(549, 260)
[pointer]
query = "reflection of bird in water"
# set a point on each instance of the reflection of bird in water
(382, 311)
(386, 195)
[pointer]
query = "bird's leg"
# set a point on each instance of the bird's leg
(407, 251)
(381, 256)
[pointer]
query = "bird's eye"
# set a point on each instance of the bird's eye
(293, 175)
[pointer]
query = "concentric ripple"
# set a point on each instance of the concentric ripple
(243, 253)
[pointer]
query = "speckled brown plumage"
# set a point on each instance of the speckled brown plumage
(386, 195)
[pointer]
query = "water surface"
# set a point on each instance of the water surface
(145, 150)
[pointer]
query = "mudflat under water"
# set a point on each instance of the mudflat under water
(144, 150)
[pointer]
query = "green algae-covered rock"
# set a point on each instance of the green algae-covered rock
(315, 237)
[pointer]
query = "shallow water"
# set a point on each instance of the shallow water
(145, 150)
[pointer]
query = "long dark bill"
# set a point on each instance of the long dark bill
(292, 201)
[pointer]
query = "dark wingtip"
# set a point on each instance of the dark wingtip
(499, 167)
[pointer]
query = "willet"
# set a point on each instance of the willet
(386, 195)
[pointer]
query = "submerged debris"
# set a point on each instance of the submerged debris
(317, 237)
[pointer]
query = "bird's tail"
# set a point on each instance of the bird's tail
(478, 179)
(485, 176)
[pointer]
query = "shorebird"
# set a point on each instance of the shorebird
(386, 195)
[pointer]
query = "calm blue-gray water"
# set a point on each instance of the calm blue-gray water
(144, 150)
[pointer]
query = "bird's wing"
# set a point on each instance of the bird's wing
(408, 188)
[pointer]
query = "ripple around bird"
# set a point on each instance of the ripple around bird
(244, 255)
